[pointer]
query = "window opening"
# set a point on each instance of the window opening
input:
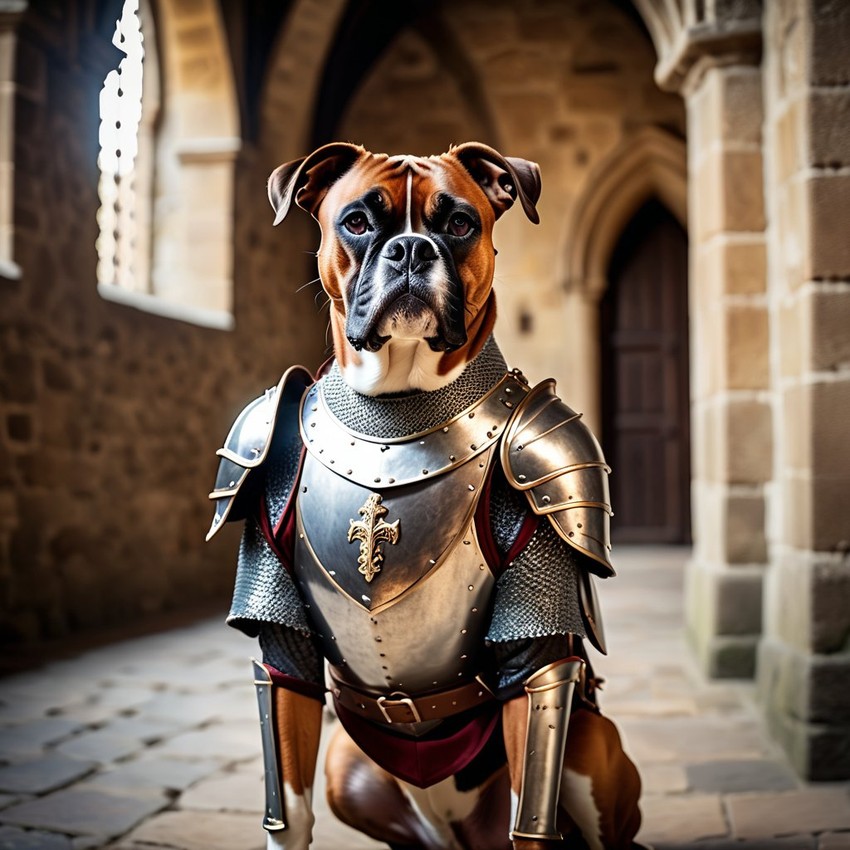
(127, 111)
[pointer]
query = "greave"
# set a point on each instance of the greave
(273, 818)
(550, 695)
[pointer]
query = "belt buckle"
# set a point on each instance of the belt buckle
(400, 699)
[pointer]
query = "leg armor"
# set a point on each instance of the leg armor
(291, 725)
(550, 695)
(273, 818)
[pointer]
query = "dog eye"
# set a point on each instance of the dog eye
(355, 223)
(460, 224)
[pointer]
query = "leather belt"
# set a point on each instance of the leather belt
(398, 707)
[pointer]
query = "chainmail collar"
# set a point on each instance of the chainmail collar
(393, 416)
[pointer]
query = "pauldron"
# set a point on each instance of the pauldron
(549, 454)
(271, 418)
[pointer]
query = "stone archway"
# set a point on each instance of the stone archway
(650, 163)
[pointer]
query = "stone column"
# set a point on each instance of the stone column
(731, 412)
(804, 655)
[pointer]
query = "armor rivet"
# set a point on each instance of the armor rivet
(481, 693)
(569, 497)
(474, 610)
(454, 701)
(391, 481)
(363, 706)
(509, 404)
(333, 637)
(312, 424)
(572, 534)
(534, 817)
(481, 465)
(378, 638)
(422, 442)
(445, 429)
(578, 525)
(433, 683)
(385, 448)
(424, 471)
(460, 675)
(382, 654)
(321, 451)
(467, 542)
(348, 472)
(481, 566)
(331, 572)
(352, 442)
(377, 480)
(332, 460)
(471, 487)
(521, 477)
(473, 446)
(464, 657)
(471, 587)
(314, 408)
(520, 447)
(434, 706)
(301, 536)
(508, 390)
(472, 414)
(451, 457)
(304, 489)
(489, 434)
(431, 561)
(232, 483)
(463, 631)
(546, 501)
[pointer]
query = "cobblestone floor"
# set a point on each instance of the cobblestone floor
(153, 742)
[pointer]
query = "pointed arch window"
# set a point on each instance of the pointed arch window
(166, 164)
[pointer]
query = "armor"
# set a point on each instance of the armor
(273, 814)
(555, 460)
(256, 429)
(376, 520)
(550, 695)
(378, 506)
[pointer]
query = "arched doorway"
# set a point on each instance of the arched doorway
(644, 359)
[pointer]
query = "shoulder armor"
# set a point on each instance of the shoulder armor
(549, 454)
(248, 443)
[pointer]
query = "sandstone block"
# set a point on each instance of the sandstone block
(830, 590)
(828, 34)
(749, 442)
(747, 347)
(745, 539)
(828, 317)
(829, 120)
(738, 604)
(723, 777)
(830, 509)
(743, 197)
(828, 197)
(687, 818)
(830, 414)
(236, 831)
(744, 267)
(741, 105)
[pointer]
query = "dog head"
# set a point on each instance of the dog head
(406, 254)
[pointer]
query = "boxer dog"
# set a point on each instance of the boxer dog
(407, 261)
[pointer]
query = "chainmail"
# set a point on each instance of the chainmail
(264, 589)
(537, 595)
(398, 415)
(291, 652)
(280, 477)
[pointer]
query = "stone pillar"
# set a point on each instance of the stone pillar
(804, 655)
(731, 412)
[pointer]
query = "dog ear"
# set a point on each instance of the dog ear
(307, 180)
(503, 178)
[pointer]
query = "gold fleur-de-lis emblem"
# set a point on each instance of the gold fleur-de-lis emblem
(372, 531)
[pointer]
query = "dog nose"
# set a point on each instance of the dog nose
(413, 251)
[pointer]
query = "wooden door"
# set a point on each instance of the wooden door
(645, 405)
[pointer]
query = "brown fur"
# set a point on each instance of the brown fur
(298, 721)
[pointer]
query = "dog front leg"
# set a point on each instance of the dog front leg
(290, 724)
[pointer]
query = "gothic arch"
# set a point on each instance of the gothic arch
(650, 162)
(193, 157)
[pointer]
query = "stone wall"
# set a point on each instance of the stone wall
(110, 416)
(804, 656)
(564, 84)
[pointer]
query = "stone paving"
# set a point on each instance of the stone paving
(153, 742)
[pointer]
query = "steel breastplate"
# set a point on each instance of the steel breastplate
(376, 521)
